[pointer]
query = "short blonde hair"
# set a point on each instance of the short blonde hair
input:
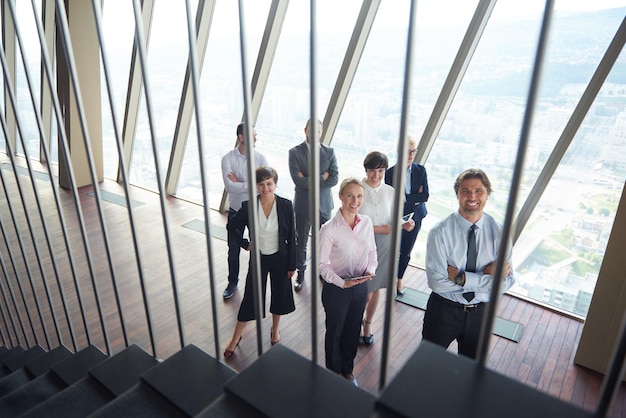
(348, 181)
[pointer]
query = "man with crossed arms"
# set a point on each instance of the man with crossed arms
(461, 282)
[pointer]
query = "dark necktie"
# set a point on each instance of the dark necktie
(471, 257)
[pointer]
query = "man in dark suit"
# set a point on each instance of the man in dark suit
(416, 194)
(299, 170)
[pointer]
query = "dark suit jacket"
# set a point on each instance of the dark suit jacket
(414, 201)
(286, 229)
(299, 162)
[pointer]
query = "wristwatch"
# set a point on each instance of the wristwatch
(460, 278)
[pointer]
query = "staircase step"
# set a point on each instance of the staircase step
(32, 369)
(10, 353)
(189, 381)
(59, 377)
(281, 383)
(78, 400)
(18, 361)
(140, 401)
(437, 383)
(76, 367)
(122, 371)
(103, 383)
(229, 406)
(42, 364)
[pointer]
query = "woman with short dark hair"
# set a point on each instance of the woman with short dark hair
(277, 247)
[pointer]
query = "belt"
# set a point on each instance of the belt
(462, 306)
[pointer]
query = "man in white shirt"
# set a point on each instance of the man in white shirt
(461, 253)
(235, 175)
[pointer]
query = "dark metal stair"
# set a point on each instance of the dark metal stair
(103, 383)
(60, 376)
(18, 361)
(437, 383)
(32, 369)
(281, 383)
(183, 385)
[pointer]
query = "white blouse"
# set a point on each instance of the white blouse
(267, 230)
(377, 203)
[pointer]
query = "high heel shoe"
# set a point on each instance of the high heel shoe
(366, 339)
(228, 353)
(273, 342)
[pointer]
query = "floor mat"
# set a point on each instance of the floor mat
(501, 327)
(217, 231)
(115, 198)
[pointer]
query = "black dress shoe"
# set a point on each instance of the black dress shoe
(369, 340)
(299, 281)
(229, 291)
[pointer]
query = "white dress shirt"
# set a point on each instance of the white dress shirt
(447, 245)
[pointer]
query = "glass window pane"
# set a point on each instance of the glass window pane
(26, 112)
(371, 118)
(286, 105)
(118, 27)
(221, 96)
(558, 255)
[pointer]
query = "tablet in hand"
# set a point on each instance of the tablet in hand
(361, 277)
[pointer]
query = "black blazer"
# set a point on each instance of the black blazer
(286, 229)
(414, 201)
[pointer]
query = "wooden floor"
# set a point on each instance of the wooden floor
(543, 359)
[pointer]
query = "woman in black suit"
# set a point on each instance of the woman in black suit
(277, 246)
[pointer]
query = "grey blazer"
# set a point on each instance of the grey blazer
(299, 162)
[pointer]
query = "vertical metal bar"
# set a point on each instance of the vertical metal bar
(252, 202)
(398, 184)
(139, 37)
(454, 78)
(64, 148)
(194, 72)
(261, 73)
(349, 66)
(204, 17)
(573, 124)
(124, 175)
(5, 272)
(63, 26)
(314, 178)
(44, 147)
(133, 94)
(29, 223)
(516, 180)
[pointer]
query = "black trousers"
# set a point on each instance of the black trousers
(407, 242)
(233, 253)
(281, 301)
(344, 311)
(445, 321)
